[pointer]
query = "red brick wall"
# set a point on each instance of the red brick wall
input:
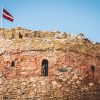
(29, 63)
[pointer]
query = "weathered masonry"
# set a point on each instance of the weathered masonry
(41, 65)
(46, 63)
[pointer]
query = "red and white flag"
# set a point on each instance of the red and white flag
(7, 15)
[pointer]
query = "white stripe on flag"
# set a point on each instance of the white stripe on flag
(8, 15)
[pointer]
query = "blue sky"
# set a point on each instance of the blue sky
(72, 16)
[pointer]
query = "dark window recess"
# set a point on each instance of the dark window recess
(44, 67)
(93, 69)
(20, 35)
(13, 63)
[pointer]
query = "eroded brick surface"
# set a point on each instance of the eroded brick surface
(69, 57)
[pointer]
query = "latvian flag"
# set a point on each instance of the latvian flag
(7, 15)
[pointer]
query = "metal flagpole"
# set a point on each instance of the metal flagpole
(1, 15)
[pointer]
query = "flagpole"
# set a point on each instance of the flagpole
(1, 16)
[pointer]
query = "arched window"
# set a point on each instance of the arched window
(20, 35)
(44, 67)
(13, 64)
(93, 69)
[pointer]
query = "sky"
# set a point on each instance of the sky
(72, 16)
